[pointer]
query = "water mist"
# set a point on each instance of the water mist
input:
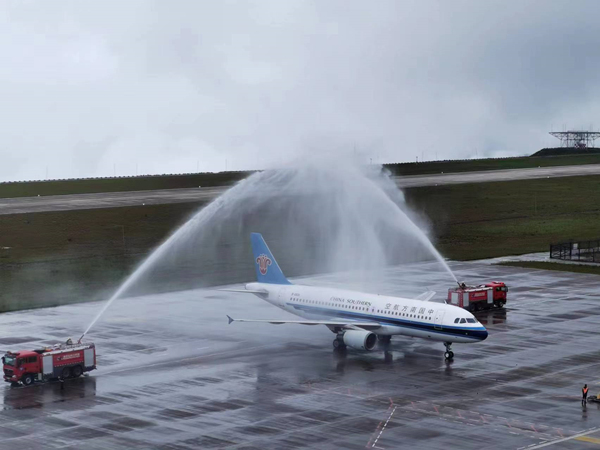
(316, 218)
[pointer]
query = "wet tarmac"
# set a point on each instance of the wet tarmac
(173, 375)
(23, 205)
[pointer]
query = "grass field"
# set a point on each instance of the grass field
(49, 259)
(506, 218)
(595, 270)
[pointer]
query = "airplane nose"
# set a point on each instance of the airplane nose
(484, 335)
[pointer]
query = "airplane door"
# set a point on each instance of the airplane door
(437, 321)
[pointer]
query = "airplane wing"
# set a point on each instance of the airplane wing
(425, 296)
(332, 323)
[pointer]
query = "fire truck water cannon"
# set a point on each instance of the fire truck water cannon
(61, 361)
(478, 298)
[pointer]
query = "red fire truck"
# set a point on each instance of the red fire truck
(59, 361)
(476, 298)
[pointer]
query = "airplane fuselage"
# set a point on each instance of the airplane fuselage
(397, 316)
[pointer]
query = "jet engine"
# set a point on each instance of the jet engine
(360, 339)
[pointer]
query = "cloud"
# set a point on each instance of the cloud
(170, 86)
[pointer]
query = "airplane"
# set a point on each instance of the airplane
(358, 319)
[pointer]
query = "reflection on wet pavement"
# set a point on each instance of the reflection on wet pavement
(173, 375)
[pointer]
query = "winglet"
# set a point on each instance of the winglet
(230, 319)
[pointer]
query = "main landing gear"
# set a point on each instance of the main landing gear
(338, 342)
(449, 354)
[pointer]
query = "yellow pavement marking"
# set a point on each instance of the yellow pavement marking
(593, 440)
(577, 436)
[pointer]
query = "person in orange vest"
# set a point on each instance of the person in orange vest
(584, 392)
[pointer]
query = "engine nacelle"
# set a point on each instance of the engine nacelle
(360, 339)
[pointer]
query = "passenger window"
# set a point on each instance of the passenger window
(463, 321)
(456, 320)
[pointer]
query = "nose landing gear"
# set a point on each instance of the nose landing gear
(449, 354)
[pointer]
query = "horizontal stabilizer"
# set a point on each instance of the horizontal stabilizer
(425, 296)
(331, 323)
(245, 291)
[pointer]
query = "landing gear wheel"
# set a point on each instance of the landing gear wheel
(449, 354)
(338, 344)
(77, 371)
(66, 373)
(28, 380)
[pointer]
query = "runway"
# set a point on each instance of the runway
(23, 205)
(173, 375)
(497, 175)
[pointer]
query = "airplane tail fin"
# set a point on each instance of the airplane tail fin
(267, 270)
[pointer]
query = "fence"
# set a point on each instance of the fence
(585, 251)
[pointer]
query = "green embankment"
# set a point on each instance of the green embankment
(119, 184)
(147, 182)
(542, 265)
(472, 165)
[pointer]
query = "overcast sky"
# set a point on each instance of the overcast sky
(176, 86)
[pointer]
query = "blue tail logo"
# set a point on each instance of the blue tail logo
(267, 269)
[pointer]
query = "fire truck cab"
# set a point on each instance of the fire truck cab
(476, 298)
(59, 361)
(500, 291)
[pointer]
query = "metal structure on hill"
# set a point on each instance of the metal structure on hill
(576, 139)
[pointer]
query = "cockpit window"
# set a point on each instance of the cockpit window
(463, 321)
(471, 321)
(456, 320)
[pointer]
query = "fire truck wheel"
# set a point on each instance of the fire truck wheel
(77, 371)
(66, 373)
(28, 380)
